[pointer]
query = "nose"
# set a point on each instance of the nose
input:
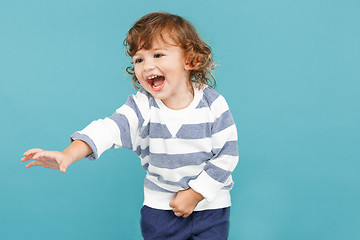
(148, 64)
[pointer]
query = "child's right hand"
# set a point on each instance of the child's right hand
(48, 159)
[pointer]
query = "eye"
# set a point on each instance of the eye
(138, 60)
(158, 55)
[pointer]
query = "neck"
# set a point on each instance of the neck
(182, 100)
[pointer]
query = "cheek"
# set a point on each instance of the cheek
(137, 73)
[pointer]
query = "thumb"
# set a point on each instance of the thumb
(171, 204)
(64, 166)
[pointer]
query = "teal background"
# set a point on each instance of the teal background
(289, 70)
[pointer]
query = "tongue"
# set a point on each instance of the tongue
(158, 81)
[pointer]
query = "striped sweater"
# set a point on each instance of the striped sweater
(194, 147)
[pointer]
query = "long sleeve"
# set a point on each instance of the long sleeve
(119, 130)
(217, 171)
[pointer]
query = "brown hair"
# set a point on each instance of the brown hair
(157, 24)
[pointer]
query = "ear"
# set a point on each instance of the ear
(188, 66)
(190, 63)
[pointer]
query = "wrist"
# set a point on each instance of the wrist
(197, 196)
(68, 156)
(77, 150)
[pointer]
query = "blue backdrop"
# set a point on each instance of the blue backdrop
(290, 71)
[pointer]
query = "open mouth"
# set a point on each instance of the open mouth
(156, 82)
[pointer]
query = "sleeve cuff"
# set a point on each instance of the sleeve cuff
(87, 139)
(206, 186)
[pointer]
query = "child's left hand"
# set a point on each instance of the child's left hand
(185, 202)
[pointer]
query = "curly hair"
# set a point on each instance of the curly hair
(150, 27)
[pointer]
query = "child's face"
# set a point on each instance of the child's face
(163, 72)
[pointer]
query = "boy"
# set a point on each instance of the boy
(180, 127)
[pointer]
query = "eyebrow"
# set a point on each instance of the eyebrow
(159, 48)
(153, 49)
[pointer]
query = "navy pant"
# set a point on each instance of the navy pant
(164, 225)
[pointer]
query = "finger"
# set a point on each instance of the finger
(24, 159)
(64, 166)
(185, 215)
(171, 204)
(34, 163)
(62, 169)
(178, 214)
(27, 158)
(32, 151)
(43, 154)
(28, 155)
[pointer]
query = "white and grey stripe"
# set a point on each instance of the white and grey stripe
(192, 147)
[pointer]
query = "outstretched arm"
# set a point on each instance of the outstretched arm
(55, 159)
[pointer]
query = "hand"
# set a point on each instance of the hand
(185, 202)
(48, 159)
